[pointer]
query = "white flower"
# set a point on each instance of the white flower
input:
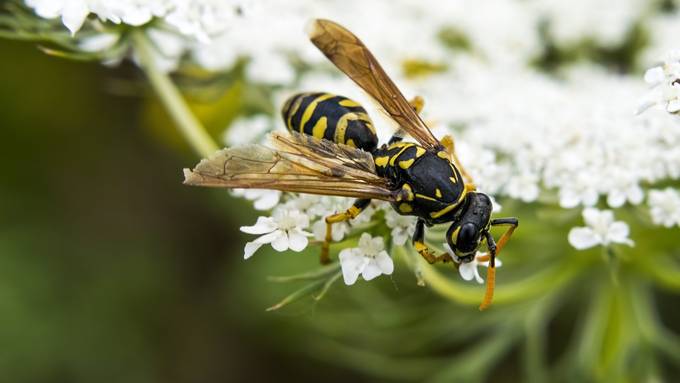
(338, 233)
(368, 260)
(248, 130)
(263, 199)
(204, 18)
(601, 229)
(284, 230)
(402, 226)
(663, 80)
(99, 42)
(469, 270)
(665, 207)
(73, 13)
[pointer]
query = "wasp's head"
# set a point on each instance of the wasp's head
(465, 234)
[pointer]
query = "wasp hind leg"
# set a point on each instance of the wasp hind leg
(495, 249)
(421, 247)
(351, 213)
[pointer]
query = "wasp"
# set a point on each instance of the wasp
(332, 149)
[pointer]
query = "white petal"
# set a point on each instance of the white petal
(365, 241)
(618, 233)
(267, 200)
(616, 198)
(74, 15)
(297, 241)
(371, 270)
(262, 226)
(654, 76)
(319, 230)
(385, 263)
(250, 249)
(582, 238)
(352, 265)
(280, 243)
(591, 216)
(673, 106)
(399, 237)
(468, 271)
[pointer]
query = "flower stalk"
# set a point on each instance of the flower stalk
(171, 98)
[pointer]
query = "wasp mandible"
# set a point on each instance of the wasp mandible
(332, 149)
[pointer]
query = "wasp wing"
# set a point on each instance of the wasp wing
(299, 163)
(352, 57)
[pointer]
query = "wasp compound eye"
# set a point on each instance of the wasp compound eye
(467, 238)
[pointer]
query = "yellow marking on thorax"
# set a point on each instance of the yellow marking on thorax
(406, 191)
(400, 144)
(320, 127)
(423, 196)
(403, 148)
(405, 208)
(453, 180)
(437, 214)
(442, 154)
(349, 103)
(406, 164)
(294, 108)
(382, 161)
(310, 109)
(455, 172)
(438, 193)
(351, 143)
(420, 151)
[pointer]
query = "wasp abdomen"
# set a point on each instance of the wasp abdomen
(335, 118)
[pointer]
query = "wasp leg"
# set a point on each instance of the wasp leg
(450, 146)
(417, 103)
(495, 249)
(351, 213)
(421, 247)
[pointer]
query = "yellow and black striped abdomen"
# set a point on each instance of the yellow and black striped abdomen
(335, 118)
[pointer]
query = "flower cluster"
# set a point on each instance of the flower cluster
(569, 138)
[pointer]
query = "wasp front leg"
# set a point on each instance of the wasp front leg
(421, 247)
(495, 249)
(351, 213)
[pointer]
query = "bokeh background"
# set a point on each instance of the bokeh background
(110, 269)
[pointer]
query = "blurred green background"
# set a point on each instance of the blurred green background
(110, 269)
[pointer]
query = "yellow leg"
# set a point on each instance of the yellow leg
(417, 103)
(429, 256)
(450, 146)
(491, 270)
(351, 213)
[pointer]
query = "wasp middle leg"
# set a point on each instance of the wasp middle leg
(351, 213)
(494, 249)
(421, 247)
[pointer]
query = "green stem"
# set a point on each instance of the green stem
(187, 123)
(468, 293)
